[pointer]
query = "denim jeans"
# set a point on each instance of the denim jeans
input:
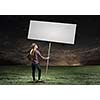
(34, 67)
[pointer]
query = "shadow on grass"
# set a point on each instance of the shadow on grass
(36, 82)
(29, 82)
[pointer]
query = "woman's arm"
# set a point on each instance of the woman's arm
(45, 58)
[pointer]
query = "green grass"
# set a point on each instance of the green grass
(21, 75)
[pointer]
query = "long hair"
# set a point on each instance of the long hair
(32, 49)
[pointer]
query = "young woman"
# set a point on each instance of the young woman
(35, 54)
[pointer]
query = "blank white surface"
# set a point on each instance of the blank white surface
(49, 92)
(51, 31)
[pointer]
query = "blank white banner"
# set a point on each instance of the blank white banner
(52, 32)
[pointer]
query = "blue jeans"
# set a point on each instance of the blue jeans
(34, 66)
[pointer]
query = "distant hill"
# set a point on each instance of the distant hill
(14, 52)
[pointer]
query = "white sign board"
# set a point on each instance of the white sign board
(52, 31)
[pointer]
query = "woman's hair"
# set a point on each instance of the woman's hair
(33, 45)
(32, 49)
(30, 52)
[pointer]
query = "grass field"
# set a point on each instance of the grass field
(21, 75)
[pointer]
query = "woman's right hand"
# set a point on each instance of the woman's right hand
(48, 58)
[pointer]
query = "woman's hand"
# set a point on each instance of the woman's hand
(47, 58)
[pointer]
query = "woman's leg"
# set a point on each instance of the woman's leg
(39, 71)
(33, 71)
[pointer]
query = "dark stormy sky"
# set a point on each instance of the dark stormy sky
(87, 33)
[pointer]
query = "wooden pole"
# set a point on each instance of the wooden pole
(48, 60)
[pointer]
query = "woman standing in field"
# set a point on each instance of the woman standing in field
(34, 55)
